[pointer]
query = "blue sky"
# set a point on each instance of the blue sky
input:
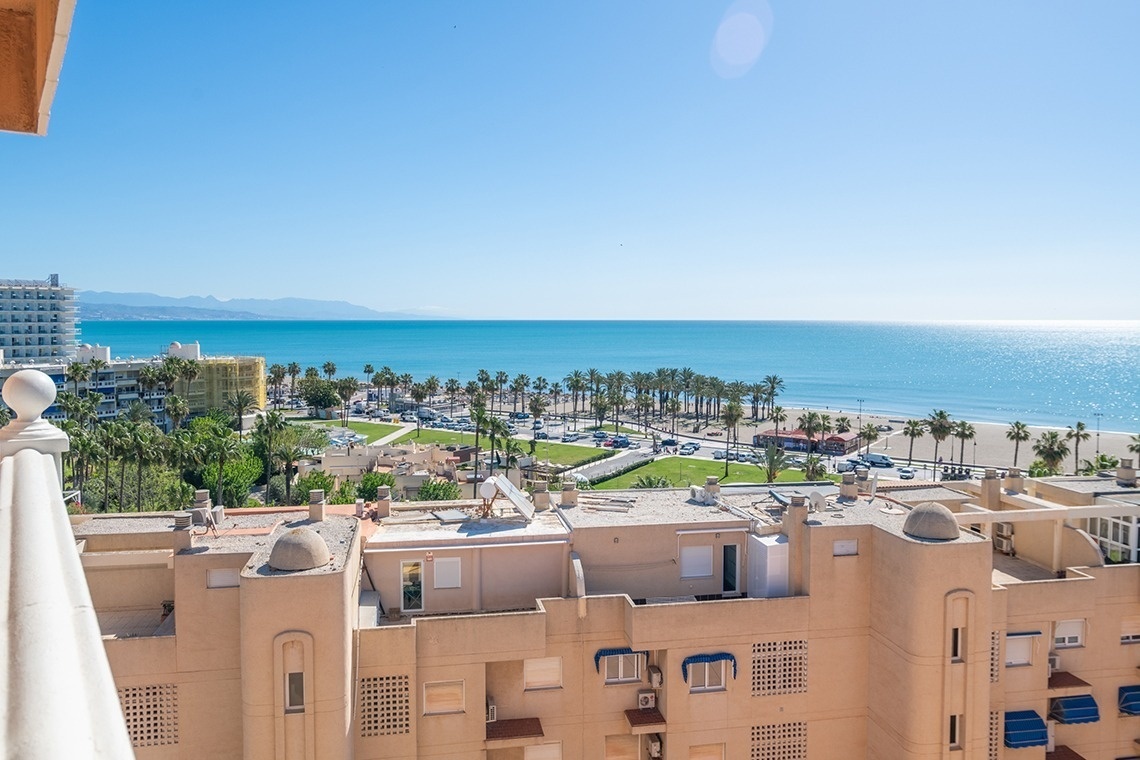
(834, 160)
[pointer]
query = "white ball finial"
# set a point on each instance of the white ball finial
(29, 392)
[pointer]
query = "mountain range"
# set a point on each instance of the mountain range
(97, 306)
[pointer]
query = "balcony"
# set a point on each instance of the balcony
(513, 732)
(1063, 753)
(645, 721)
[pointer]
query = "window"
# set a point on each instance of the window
(1130, 630)
(848, 547)
(623, 668)
(1019, 649)
(542, 673)
(447, 573)
(223, 577)
(706, 676)
(412, 586)
(955, 737)
(696, 561)
(1069, 633)
(957, 644)
(706, 752)
(552, 751)
(294, 692)
(443, 697)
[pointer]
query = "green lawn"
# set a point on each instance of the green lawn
(559, 453)
(684, 471)
(373, 430)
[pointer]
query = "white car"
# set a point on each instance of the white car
(719, 454)
(906, 473)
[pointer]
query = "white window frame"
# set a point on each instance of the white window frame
(423, 600)
(1029, 642)
(1068, 634)
(696, 562)
(955, 732)
(447, 572)
(845, 547)
(440, 685)
(699, 681)
(957, 644)
(223, 577)
(624, 663)
(533, 671)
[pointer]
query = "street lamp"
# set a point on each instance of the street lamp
(860, 414)
(1098, 415)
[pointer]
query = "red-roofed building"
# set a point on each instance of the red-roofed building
(836, 444)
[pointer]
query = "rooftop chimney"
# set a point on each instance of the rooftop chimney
(383, 501)
(712, 485)
(569, 494)
(847, 489)
(991, 490)
(541, 497)
(317, 505)
(796, 531)
(1014, 480)
(1126, 473)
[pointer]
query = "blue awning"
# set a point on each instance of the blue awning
(1078, 709)
(714, 657)
(1130, 700)
(1025, 728)
(598, 655)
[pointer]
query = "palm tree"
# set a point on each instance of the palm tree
(266, 428)
(963, 431)
(842, 424)
(452, 388)
(1134, 445)
(913, 429)
(137, 412)
(143, 441)
(97, 366)
(329, 368)
(189, 371)
(419, 392)
(293, 370)
(772, 387)
(518, 387)
(779, 417)
(730, 416)
(481, 419)
(222, 447)
(110, 436)
(1018, 433)
(276, 379)
(5, 415)
(346, 388)
(512, 451)
(1076, 435)
(1052, 449)
(78, 372)
(501, 379)
(939, 425)
(869, 434)
(809, 422)
(775, 462)
(238, 403)
(178, 409)
(537, 405)
(289, 455)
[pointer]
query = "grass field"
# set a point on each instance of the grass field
(558, 453)
(373, 430)
(684, 471)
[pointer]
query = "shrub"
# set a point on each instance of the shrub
(438, 490)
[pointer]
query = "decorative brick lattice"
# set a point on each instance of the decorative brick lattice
(995, 656)
(779, 741)
(385, 706)
(151, 713)
(779, 667)
(995, 735)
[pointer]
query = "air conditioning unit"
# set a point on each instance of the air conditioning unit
(654, 741)
(492, 713)
(655, 676)
(1003, 544)
(1054, 662)
(1003, 529)
(646, 699)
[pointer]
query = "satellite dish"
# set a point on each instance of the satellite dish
(818, 503)
(488, 490)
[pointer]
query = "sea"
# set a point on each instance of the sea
(1040, 373)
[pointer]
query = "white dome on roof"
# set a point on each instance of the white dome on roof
(299, 548)
(932, 522)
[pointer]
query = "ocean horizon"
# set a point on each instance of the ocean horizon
(1038, 372)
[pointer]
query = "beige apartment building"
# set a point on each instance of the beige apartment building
(768, 623)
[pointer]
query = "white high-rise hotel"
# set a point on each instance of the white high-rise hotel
(37, 320)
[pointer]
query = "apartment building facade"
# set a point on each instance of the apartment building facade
(736, 622)
(37, 321)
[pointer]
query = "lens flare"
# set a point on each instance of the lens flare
(740, 38)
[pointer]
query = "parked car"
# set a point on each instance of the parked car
(520, 415)
(542, 435)
(600, 435)
(569, 437)
(669, 442)
(876, 459)
(408, 417)
(906, 473)
(747, 456)
(847, 465)
(537, 425)
(719, 454)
